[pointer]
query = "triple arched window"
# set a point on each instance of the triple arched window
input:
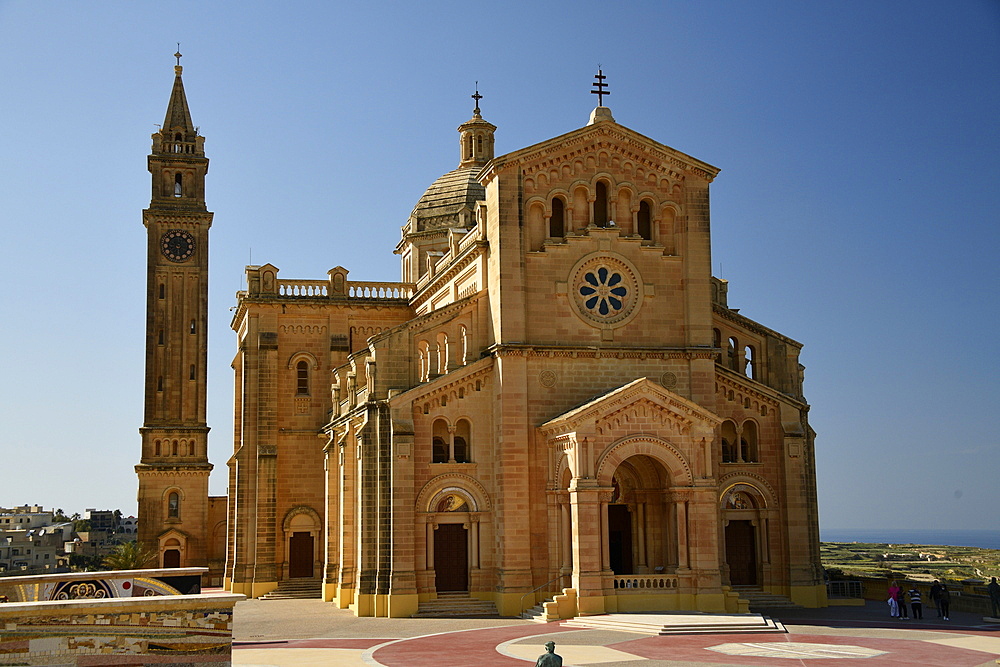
(740, 442)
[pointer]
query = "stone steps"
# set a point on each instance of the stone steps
(451, 605)
(678, 623)
(761, 601)
(536, 613)
(296, 589)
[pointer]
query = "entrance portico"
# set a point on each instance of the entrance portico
(637, 502)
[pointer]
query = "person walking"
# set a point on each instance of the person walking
(936, 596)
(944, 600)
(915, 606)
(993, 588)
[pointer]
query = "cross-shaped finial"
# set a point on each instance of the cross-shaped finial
(178, 54)
(600, 86)
(477, 97)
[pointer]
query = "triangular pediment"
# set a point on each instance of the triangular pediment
(641, 401)
(608, 136)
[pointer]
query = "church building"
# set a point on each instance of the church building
(555, 401)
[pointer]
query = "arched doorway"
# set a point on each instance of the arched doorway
(745, 533)
(639, 516)
(301, 526)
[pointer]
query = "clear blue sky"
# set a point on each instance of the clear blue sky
(856, 211)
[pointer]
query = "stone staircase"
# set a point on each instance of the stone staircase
(678, 623)
(292, 589)
(536, 613)
(761, 601)
(454, 605)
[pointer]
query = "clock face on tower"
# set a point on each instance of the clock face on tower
(177, 246)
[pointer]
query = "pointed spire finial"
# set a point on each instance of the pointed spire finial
(476, 97)
(177, 68)
(600, 86)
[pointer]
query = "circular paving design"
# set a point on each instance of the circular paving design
(796, 650)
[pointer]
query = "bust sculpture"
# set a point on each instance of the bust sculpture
(549, 658)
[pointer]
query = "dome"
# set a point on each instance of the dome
(449, 201)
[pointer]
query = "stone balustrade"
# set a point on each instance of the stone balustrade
(304, 288)
(377, 290)
(649, 583)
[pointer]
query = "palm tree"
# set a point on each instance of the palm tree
(129, 556)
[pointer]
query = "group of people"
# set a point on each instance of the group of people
(897, 601)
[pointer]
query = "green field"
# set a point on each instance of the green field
(914, 561)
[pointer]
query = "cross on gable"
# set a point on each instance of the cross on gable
(600, 86)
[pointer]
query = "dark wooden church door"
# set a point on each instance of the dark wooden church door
(451, 557)
(741, 553)
(300, 555)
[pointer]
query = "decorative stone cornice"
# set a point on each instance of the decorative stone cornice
(752, 326)
(604, 352)
(726, 379)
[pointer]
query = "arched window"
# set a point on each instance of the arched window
(479, 145)
(163, 291)
(193, 328)
(442, 353)
(173, 448)
(557, 223)
(156, 448)
(717, 343)
(159, 337)
(178, 185)
(464, 334)
(191, 372)
(748, 442)
(302, 378)
(644, 221)
(468, 148)
(174, 505)
(424, 361)
(462, 442)
(601, 205)
(732, 356)
(751, 362)
(729, 437)
(159, 383)
(439, 444)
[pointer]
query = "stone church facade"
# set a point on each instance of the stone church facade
(555, 400)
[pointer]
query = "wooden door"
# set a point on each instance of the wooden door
(741, 553)
(171, 558)
(451, 557)
(300, 555)
(620, 539)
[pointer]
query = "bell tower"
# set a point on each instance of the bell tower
(174, 469)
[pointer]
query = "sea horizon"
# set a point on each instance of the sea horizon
(981, 538)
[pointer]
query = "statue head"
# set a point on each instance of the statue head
(550, 647)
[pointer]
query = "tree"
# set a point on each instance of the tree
(129, 556)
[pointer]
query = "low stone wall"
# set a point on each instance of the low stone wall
(964, 596)
(104, 584)
(152, 630)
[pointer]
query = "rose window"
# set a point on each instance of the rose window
(603, 291)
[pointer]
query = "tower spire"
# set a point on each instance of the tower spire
(178, 118)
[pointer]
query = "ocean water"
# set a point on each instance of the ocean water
(984, 539)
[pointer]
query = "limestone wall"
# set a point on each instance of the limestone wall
(189, 629)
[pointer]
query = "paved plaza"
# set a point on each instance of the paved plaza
(309, 632)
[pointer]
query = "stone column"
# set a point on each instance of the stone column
(640, 521)
(682, 534)
(585, 509)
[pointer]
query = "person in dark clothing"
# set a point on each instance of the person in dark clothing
(936, 597)
(915, 606)
(901, 600)
(993, 588)
(944, 601)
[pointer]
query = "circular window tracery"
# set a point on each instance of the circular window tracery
(605, 290)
